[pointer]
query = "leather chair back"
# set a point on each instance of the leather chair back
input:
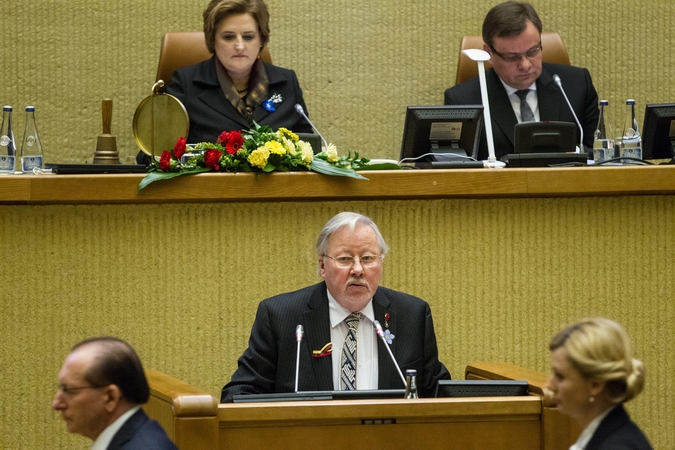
(553, 51)
(185, 48)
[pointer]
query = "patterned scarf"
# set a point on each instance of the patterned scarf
(258, 87)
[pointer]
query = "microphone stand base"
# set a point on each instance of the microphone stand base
(493, 164)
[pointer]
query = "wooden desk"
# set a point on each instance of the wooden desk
(467, 423)
(309, 186)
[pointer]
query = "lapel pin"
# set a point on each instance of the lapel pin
(326, 350)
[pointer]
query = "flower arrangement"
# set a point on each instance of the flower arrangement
(256, 150)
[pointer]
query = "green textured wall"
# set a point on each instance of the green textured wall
(360, 63)
(182, 282)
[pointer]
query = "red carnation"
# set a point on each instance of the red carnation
(223, 137)
(165, 161)
(212, 158)
(234, 142)
(179, 148)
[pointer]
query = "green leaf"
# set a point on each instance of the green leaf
(156, 176)
(321, 166)
(382, 166)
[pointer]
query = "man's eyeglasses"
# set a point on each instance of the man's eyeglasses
(70, 391)
(348, 261)
(516, 57)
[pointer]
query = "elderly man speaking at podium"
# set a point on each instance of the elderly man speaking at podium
(334, 323)
(520, 86)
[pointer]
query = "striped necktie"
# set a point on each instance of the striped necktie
(348, 359)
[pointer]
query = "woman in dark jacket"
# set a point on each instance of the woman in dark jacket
(593, 375)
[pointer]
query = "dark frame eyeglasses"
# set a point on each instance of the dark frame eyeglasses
(517, 57)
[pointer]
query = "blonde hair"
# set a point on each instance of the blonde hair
(600, 350)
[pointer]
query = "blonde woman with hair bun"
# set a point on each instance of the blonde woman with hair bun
(594, 373)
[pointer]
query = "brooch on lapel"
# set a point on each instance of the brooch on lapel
(326, 350)
(387, 335)
(270, 102)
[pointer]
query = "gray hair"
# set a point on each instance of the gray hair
(350, 220)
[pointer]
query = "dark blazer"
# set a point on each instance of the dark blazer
(618, 432)
(141, 433)
(552, 105)
(268, 364)
(211, 113)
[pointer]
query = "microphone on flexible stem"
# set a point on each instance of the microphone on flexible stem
(299, 333)
(557, 81)
(380, 332)
(301, 111)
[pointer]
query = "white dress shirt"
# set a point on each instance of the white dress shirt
(366, 344)
(103, 439)
(531, 98)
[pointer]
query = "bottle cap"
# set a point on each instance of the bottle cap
(410, 373)
(7, 108)
(30, 108)
(630, 101)
(604, 103)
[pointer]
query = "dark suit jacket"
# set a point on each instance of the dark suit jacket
(268, 364)
(141, 433)
(211, 113)
(618, 432)
(552, 105)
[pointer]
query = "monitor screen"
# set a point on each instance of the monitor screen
(441, 133)
(658, 131)
(481, 388)
(545, 137)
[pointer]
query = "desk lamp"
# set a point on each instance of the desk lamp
(480, 56)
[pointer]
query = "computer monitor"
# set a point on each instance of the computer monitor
(441, 133)
(658, 132)
(481, 388)
(544, 137)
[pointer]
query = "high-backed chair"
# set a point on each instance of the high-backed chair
(553, 51)
(185, 48)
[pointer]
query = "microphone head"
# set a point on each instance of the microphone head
(299, 332)
(299, 108)
(556, 79)
(378, 327)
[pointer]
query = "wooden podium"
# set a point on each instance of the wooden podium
(194, 420)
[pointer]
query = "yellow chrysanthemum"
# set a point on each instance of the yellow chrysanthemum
(286, 133)
(275, 147)
(331, 153)
(306, 151)
(289, 146)
(258, 157)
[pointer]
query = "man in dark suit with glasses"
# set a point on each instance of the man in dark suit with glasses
(520, 86)
(101, 388)
(340, 349)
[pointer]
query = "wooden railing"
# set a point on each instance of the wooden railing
(305, 186)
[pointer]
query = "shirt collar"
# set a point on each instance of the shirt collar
(338, 314)
(589, 431)
(103, 439)
(511, 90)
